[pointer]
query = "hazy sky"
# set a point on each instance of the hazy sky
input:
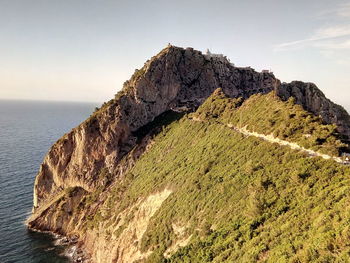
(83, 50)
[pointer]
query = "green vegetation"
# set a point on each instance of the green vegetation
(267, 114)
(241, 198)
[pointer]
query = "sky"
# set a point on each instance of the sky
(83, 50)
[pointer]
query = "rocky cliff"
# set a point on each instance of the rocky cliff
(313, 100)
(176, 78)
(94, 155)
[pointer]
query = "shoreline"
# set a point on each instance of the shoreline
(72, 251)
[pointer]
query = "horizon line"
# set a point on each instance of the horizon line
(49, 100)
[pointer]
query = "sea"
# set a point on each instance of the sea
(27, 130)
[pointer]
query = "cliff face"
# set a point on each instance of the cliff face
(103, 148)
(175, 78)
(313, 100)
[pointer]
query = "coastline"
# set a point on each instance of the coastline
(72, 250)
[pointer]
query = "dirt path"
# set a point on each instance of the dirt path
(294, 146)
(273, 139)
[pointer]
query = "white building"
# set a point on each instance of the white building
(218, 57)
(212, 55)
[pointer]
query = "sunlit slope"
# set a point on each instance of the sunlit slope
(268, 114)
(233, 198)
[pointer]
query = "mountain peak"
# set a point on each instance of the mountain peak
(97, 156)
(175, 79)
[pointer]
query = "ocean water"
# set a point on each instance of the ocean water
(27, 130)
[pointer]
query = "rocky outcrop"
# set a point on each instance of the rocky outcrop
(127, 246)
(313, 100)
(176, 79)
(56, 215)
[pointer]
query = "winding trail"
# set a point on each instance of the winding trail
(292, 145)
(273, 139)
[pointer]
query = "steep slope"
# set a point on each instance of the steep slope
(203, 192)
(314, 101)
(174, 78)
(268, 114)
(130, 188)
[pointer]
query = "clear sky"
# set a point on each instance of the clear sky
(83, 50)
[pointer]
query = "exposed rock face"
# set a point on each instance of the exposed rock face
(313, 100)
(175, 79)
(126, 248)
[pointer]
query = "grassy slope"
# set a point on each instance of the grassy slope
(242, 199)
(268, 114)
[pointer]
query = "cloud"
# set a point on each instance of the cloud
(333, 45)
(332, 32)
(343, 10)
(336, 36)
(322, 34)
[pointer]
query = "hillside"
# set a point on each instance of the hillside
(170, 170)
(268, 114)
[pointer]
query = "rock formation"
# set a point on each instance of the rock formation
(313, 100)
(176, 79)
